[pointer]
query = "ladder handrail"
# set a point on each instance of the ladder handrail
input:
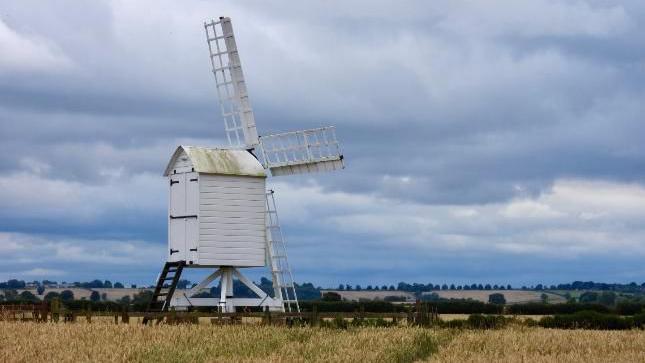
(283, 282)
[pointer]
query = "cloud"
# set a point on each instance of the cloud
(42, 272)
(573, 221)
(31, 255)
(22, 53)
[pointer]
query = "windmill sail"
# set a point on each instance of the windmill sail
(287, 153)
(300, 152)
(231, 87)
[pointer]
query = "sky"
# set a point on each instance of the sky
(485, 141)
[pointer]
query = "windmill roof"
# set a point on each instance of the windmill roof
(219, 161)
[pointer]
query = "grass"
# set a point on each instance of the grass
(105, 342)
(517, 344)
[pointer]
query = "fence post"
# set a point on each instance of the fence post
(314, 315)
(55, 308)
(88, 314)
(125, 317)
(267, 316)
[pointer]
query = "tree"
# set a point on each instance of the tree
(107, 284)
(509, 287)
(51, 296)
(497, 299)
(142, 298)
(444, 287)
(358, 287)
(569, 298)
(392, 288)
(95, 296)
(118, 285)
(15, 284)
(40, 289)
(331, 296)
(94, 284)
(341, 287)
(544, 298)
(182, 284)
(28, 296)
(588, 297)
(10, 295)
(104, 296)
(369, 287)
(67, 295)
(607, 298)
(487, 287)
(452, 287)
(384, 287)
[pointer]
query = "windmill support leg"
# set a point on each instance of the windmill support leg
(227, 302)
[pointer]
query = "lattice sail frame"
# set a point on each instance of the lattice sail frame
(231, 87)
(303, 151)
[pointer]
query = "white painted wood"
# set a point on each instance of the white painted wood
(214, 262)
(182, 164)
(217, 240)
(234, 244)
(216, 233)
(234, 214)
(192, 241)
(216, 180)
(320, 166)
(205, 301)
(177, 194)
(220, 251)
(192, 193)
(177, 240)
(232, 220)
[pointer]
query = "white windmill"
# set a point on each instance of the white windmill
(220, 214)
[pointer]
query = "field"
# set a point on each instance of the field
(105, 342)
(512, 296)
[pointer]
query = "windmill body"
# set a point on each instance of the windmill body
(220, 214)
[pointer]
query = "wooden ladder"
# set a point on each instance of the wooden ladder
(162, 295)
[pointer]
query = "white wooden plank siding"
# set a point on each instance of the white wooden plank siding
(182, 164)
(232, 230)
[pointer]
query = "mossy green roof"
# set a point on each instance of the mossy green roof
(219, 161)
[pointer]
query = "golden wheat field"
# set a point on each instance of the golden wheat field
(517, 344)
(103, 342)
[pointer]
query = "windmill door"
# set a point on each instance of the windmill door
(183, 227)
